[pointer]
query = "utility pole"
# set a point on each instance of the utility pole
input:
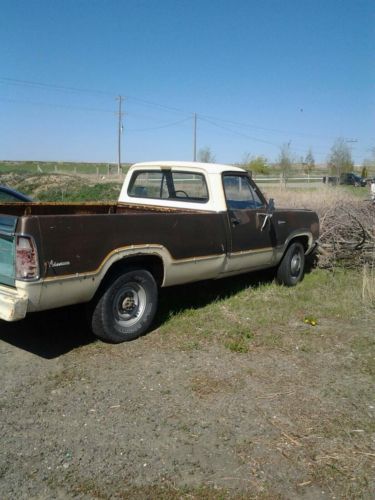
(195, 137)
(351, 141)
(120, 128)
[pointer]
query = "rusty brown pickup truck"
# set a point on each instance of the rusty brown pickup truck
(174, 223)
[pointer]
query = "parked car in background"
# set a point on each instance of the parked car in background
(9, 195)
(347, 178)
(352, 179)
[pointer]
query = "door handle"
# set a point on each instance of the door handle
(267, 218)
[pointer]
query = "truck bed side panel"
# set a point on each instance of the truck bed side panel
(78, 243)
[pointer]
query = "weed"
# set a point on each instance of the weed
(237, 346)
(205, 385)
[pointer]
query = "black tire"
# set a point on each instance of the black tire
(127, 307)
(292, 266)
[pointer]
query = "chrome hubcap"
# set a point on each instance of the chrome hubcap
(129, 304)
(295, 264)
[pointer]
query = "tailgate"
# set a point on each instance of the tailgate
(7, 249)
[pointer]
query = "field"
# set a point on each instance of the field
(38, 167)
(244, 389)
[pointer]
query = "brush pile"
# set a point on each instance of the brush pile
(347, 223)
(347, 234)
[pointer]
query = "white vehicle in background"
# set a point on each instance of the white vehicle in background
(373, 189)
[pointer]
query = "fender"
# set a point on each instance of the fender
(78, 288)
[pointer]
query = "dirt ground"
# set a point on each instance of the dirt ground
(146, 419)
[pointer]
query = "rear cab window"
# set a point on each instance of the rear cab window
(168, 184)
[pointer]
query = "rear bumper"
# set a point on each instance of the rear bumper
(13, 303)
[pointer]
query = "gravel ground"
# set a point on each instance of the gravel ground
(84, 419)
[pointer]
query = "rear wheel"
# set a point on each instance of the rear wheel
(292, 265)
(127, 307)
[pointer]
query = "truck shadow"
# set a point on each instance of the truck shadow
(199, 294)
(53, 333)
(49, 334)
(196, 295)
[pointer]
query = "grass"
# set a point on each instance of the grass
(62, 187)
(242, 314)
(326, 430)
(319, 199)
(33, 167)
(166, 491)
(98, 192)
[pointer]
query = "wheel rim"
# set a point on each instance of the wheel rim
(296, 264)
(129, 304)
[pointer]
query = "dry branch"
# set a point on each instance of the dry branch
(347, 234)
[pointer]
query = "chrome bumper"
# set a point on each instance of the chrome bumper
(13, 303)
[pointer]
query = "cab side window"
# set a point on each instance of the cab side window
(240, 194)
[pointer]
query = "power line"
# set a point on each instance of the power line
(212, 120)
(235, 132)
(29, 83)
(256, 139)
(160, 126)
(99, 110)
(265, 129)
(50, 105)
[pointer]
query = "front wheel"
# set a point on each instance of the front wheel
(292, 265)
(127, 307)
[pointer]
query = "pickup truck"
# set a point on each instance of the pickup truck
(346, 178)
(174, 223)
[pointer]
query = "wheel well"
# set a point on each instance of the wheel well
(303, 239)
(150, 263)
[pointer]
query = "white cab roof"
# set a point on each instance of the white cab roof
(212, 172)
(214, 168)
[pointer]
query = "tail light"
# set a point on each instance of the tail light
(27, 267)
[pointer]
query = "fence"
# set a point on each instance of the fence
(291, 181)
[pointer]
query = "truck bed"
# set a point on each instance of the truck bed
(78, 208)
(84, 235)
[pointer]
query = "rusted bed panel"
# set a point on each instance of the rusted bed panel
(54, 208)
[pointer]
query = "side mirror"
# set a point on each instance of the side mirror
(271, 205)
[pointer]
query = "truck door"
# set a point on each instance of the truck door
(252, 242)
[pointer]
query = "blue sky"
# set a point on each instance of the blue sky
(258, 75)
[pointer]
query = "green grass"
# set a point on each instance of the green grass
(96, 192)
(242, 314)
(357, 192)
(33, 167)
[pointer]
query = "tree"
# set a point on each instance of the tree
(364, 172)
(205, 155)
(340, 159)
(369, 165)
(309, 162)
(256, 164)
(285, 160)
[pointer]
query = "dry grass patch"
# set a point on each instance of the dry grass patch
(204, 385)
